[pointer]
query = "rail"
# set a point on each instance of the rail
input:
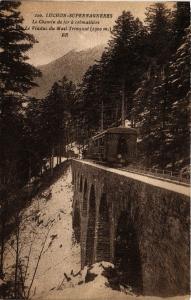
(177, 177)
(163, 174)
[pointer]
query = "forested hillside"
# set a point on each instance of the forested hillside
(148, 64)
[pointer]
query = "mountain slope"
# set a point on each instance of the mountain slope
(47, 221)
(73, 65)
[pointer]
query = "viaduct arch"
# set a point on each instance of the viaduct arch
(90, 236)
(142, 228)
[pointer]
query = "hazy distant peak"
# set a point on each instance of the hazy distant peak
(73, 65)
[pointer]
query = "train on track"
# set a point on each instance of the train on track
(114, 146)
(117, 147)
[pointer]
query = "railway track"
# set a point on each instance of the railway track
(151, 172)
(159, 174)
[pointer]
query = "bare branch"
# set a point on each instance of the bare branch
(28, 259)
(39, 257)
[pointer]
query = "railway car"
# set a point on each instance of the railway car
(115, 146)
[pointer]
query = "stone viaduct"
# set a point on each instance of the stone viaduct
(139, 223)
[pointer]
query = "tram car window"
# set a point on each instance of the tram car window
(114, 146)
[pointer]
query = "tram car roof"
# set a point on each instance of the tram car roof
(116, 130)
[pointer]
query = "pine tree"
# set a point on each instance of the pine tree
(146, 111)
(16, 74)
(116, 75)
(35, 148)
(151, 101)
(179, 83)
(91, 98)
(16, 78)
(125, 59)
(161, 102)
(158, 21)
(56, 116)
(181, 21)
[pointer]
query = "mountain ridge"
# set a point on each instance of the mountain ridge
(73, 65)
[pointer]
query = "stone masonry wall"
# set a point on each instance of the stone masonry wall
(160, 221)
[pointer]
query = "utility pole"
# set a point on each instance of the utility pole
(101, 115)
(123, 105)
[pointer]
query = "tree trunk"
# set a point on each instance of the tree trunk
(52, 161)
(17, 259)
(60, 153)
(123, 105)
(2, 248)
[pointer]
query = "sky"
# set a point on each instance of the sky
(52, 45)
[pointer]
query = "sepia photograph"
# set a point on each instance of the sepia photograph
(95, 150)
